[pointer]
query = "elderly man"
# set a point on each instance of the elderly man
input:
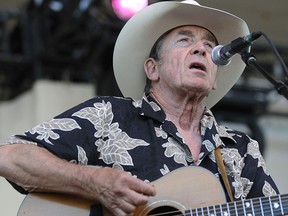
(128, 142)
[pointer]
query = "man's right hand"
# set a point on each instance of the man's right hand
(119, 191)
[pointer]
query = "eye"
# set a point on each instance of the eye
(184, 41)
(209, 45)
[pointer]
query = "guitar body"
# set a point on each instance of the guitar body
(182, 189)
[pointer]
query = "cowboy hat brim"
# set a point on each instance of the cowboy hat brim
(139, 34)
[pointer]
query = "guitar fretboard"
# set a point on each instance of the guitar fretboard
(268, 206)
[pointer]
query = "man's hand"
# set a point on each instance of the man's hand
(120, 192)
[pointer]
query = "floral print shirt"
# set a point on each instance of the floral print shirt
(136, 136)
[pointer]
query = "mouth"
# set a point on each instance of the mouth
(198, 66)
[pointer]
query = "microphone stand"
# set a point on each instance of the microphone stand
(250, 60)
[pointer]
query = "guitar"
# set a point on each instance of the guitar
(186, 191)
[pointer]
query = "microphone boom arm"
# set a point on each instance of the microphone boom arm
(250, 60)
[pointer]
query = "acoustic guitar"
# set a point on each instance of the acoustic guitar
(189, 191)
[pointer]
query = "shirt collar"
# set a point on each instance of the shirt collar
(208, 122)
(151, 109)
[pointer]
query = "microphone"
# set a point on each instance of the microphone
(221, 55)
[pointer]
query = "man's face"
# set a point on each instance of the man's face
(185, 63)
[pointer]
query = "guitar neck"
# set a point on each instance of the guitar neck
(274, 206)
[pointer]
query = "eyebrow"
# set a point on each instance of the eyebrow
(208, 35)
(186, 32)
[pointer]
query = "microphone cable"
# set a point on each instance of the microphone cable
(276, 52)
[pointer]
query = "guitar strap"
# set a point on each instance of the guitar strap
(223, 172)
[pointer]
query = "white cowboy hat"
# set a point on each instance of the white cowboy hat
(139, 34)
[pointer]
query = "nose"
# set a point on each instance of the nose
(198, 49)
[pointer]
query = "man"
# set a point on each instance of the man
(130, 143)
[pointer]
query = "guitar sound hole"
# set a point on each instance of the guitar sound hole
(165, 210)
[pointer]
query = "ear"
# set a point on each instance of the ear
(151, 69)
